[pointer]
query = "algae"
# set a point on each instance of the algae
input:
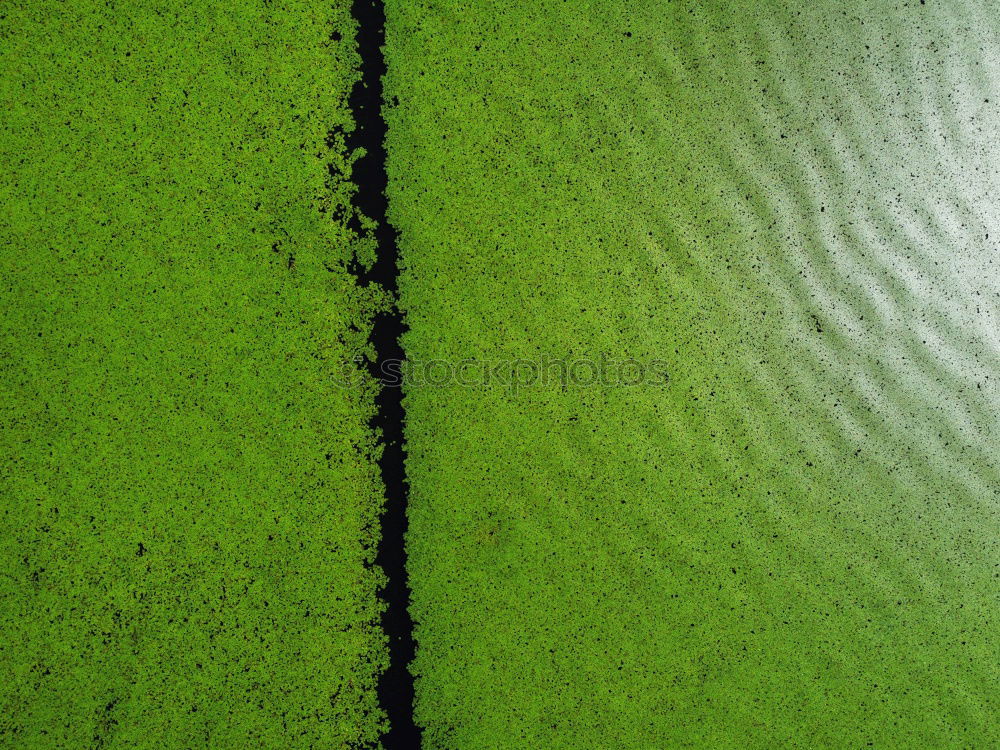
(792, 541)
(191, 497)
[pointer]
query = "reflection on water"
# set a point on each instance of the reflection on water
(796, 542)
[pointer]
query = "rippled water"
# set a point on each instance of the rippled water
(795, 543)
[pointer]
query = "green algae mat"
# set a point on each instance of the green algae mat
(190, 498)
(699, 394)
(789, 538)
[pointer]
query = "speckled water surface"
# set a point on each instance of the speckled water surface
(790, 540)
(190, 501)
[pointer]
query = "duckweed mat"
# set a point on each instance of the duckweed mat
(703, 308)
(191, 495)
(700, 377)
